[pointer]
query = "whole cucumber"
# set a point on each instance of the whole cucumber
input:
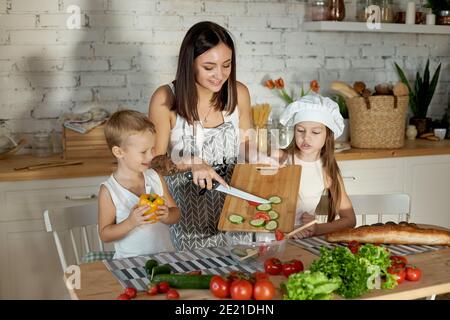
(184, 281)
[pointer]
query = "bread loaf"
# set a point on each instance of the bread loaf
(392, 233)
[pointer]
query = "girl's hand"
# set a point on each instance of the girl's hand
(306, 218)
(136, 217)
(163, 213)
(203, 175)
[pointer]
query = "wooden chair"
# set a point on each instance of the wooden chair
(69, 219)
(373, 206)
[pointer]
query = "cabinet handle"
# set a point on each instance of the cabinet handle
(92, 196)
(349, 178)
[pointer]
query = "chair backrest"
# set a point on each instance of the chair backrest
(377, 205)
(68, 219)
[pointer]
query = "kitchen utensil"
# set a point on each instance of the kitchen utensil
(231, 191)
(49, 165)
(294, 232)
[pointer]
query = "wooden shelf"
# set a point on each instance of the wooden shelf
(385, 27)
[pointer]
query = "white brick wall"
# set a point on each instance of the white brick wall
(126, 49)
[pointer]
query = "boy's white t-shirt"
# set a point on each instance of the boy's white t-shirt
(145, 239)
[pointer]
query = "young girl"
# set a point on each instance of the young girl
(317, 123)
(131, 137)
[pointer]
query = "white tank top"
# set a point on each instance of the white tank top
(146, 239)
(183, 129)
(311, 189)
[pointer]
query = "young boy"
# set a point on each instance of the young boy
(131, 137)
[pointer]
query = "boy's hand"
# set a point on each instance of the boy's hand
(136, 217)
(163, 212)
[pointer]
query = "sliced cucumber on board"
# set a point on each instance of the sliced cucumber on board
(271, 225)
(236, 218)
(275, 199)
(264, 207)
(257, 222)
(273, 214)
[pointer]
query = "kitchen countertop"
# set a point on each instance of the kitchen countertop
(104, 167)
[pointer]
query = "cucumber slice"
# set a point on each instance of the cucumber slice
(271, 225)
(257, 222)
(273, 214)
(240, 252)
(264, 207)
(236, 219)
(275, 199)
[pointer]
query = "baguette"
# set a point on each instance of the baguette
(344, 89)
(391, 233)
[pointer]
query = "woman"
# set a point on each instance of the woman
(198, 119)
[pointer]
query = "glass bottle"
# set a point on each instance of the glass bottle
(41, 145)
(387, 11)
(337, 10)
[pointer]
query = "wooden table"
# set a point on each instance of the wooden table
(98, 283)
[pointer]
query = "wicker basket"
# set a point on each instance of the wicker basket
(377, 122)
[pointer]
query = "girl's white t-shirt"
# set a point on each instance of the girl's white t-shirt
(145, 239)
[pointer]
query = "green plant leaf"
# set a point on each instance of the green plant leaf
(402, 76)
(433, 83)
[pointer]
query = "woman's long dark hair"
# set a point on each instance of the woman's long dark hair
(200, 38)
(331, 168)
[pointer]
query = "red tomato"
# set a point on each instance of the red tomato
(260, 276)
(298, 265)
(399, 272)
(219, 287)
(413, 273)
(262, 215)
(163, 287)
(398, 261)
(354, 246)
(279, 235)
(273, 266)
(255, 204)
(131, 292)
(153, 290)
(172, 294)
(263, 290)
(241, 290)
(123, 296)
(291, 267)
(262, 250)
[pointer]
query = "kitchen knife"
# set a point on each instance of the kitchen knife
(231, 191)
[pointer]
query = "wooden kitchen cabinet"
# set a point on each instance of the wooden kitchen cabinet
(29, 263)
(426, 179)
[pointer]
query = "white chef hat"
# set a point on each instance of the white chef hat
(314, 107)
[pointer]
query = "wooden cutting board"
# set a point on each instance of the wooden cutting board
(284, 183)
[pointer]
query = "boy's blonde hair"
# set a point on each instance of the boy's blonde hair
(124, 123)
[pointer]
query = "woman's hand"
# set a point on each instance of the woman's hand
(203, 175)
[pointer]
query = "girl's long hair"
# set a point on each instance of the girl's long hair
(200, 38)
(331, 169)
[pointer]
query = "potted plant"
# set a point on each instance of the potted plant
(420, 96)
(340, 100)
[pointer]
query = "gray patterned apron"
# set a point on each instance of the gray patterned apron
(200, 215)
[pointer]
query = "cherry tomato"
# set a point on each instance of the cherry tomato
(241, 290)
(260, 276)
(279, 235)
(131, 292)
(123, 296)
(398, 272)
(153, 290)
(398, 261)
(413, 273)
(354, 246)
(163, 287)
(263, 290)
(298, 265)
(219, 287)
(262, 215)
(273, 266)
(290, 267)
(254, 204)
(172, 294)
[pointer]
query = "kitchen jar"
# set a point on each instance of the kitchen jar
(387, 11)
(411, 132)
(320, 11)
(443, 17)
(337, 10)
(41, 145)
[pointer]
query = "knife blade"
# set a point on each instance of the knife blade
(231, 191)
